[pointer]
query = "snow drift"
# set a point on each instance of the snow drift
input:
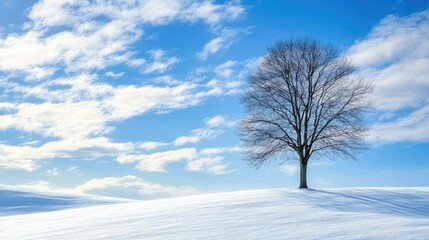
(357, 213)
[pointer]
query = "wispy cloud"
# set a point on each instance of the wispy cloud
(211, 47)
(160, 63)
(26, 157)
(220, 150)
(123, 186)
(53, 172)
(218, 121)
(156, 162)
(114, 74)
(135, 186)
(225, 37)
(395, 54)
(225, 69)
(74, 169)
(203, 161)
(290, 169)
(208, 164)
(76, 147)
(197, 135)
(410, 128)
(207, 160)
(152, 145)
(213, 129)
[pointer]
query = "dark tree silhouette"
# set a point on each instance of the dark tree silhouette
(304, 101)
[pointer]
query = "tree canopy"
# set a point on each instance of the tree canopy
(304, 100)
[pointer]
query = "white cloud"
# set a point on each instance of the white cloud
(74, 169)
(31, 143)
(197, 136)
(57, 119)
(289, 168)
(206, 161)
(160, 64)
(37, 185)
(11, 157)
(152, 145)
(211, 165)
(128, 186)
(225, 37)
(218, 121)
(7, 106)
(200, 134)
(53, 172)
(82, 138)
(131, 100)
(395, 54)
(26, 157)
(157, 162)
(216, 151)
(167, 80)
(74, 39)
(114, 74)
(225, 69)
(97, 105)
(391, 40)
(37, 73)
(413, 127)
(402, 85)
(91, 43)
(230, 76)
(134, 186)
(136, 62)
(213, 13)
(103, 46)
(211, 47)
(233, 84)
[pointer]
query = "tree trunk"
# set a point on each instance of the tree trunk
(303, 179)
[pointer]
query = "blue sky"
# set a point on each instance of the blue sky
(140, 98)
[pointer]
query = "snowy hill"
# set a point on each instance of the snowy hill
(389, 213)
(15, 200)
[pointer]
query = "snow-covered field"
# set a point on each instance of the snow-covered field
(16, 200)
(354, 213)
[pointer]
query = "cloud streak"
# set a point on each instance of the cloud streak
(395, 54)
(128, 186)
(207, 161)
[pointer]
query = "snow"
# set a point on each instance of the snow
(19, 200)
(353, 213)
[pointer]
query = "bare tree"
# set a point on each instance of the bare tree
(304, 101)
